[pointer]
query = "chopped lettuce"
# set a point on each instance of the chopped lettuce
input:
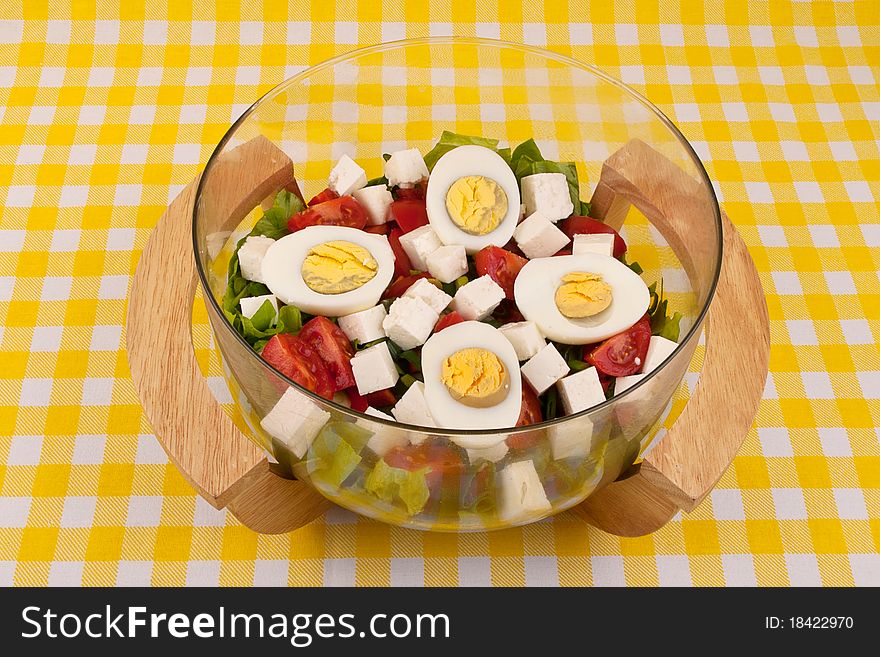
(449, 140)
(396, 484)
(666, 326)
(334, 454)
(273, 224)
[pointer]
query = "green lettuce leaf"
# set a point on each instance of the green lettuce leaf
(334, 453)
(396, 484)
(662, 324)
(273, 224)
(527, 160)
(289, 320)
(449, 140)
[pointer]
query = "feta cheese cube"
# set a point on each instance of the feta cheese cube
(521, 492)
(409, 322)
(375, 412)
(365, 325)
(374, 369)
(384, 438)
(412, 408)
(250, 306)
(375, 199)
(250, 257)
(571, 440)
(544, 368)
(432, 295)
(525, 337)
(602, 243)
(659, 349)
(548, 194)
(448, 263)
(405, 167)
(346, 176)
(580, 391)
(419, 244)
(295, 421)
(537, 237)
(494, 453)
(478, 298)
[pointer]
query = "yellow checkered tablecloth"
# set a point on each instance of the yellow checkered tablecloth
(105, 116)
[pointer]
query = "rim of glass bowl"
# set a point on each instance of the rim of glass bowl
(491, 43)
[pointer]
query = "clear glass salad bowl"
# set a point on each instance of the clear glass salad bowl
(402, 95)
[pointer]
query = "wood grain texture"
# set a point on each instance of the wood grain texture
(681, 470)
(200, 439)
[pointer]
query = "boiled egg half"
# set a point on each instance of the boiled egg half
(329, 270)
(580, 299)
(472, 198)
(472, 379)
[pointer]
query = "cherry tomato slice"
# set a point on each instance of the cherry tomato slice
(381, 398)
(409, 214)
(294, 358)
(380, 229)
(327, 195)
(507, 312)
(401, 284)
(622, 354)
(575, 225)
(441, 461)
(402, 264)
(405, 193)
(501, 266)
(448, 320)
(358, 403)
(333, 348)
(342, 211)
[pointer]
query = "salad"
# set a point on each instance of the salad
(466, 288)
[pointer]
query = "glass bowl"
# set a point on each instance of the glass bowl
(401, 95)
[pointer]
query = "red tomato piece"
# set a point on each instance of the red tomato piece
(442, 462)
(381, 398)
(565, 251)
(501, 266)
(622, 354)
(401, 284)
(408, 213)
(358, 403)
(576, 225)
(508, 312)
(402, 265)
(342, 211)
(417, 192)
(332, 347)
(381, 229)
(296, 360)
(448, 320)
(327, 195)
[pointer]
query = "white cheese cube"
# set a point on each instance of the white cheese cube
(250, 257)
(250, 305)
(405, 167)
(525, 337)
(544, 368)
(346, 176)
(601, 243)
(659, 349)
(412, 408)
(478, 298)
(493, 453)
(569, 440)
(548, 194)
(448, 263)
(409, 322)
(295, 421)
(521, 493)
(432, 295)
(419, 244)
(365, 325)
(384, 438)
(374, 369)
(580, 391)
(537, 237)
(375, 412)
(622, 383)
(375, 199)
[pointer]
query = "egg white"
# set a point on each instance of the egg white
(471, 160)
(535, 295)
(448, 411)
(282, 270)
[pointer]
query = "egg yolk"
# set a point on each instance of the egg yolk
(582, 295)
(475, 377)
(337, 267)
(476, 204)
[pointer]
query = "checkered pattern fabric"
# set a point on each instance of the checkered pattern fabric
(105, 116)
